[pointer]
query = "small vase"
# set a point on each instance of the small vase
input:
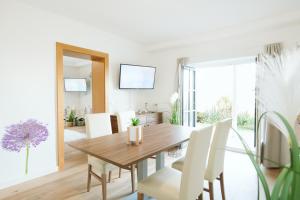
(69, 124)
(135, 135)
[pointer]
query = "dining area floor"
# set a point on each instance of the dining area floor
(239, 174)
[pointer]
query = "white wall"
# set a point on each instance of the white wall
(27, 77)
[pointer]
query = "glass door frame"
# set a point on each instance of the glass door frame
(188, 104)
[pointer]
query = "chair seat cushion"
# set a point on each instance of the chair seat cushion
(164, 184)
(178, 164)
(100, 166)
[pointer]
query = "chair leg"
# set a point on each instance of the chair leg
(103, 183)
(120, 171)
(132, 171)
(109, 176)
(140, 196)
(211, 190)
(89, 177)
(222, 185)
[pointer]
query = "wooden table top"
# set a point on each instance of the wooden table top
(114, 149)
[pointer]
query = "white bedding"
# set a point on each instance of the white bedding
(71, 135)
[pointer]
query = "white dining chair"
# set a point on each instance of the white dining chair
(171, 184)
(98, 125)
(124, 120)
(215, 164)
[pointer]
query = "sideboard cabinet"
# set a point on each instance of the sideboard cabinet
(146, 119)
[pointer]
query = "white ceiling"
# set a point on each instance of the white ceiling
(152, 22)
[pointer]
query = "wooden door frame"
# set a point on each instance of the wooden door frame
(97, 58)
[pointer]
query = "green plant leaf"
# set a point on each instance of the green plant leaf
(285, 193)
(279, 181)
(288, 182)
(135, 121)
(71, 116)
(175, 117)
(295, 160)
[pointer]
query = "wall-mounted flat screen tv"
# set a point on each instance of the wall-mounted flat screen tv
(136, 77)
(75, 85)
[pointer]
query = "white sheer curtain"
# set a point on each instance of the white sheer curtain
(181, 62)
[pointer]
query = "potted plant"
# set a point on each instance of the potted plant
(174, 119)
(79, 121)
(287, 183)
(135, 132)
(70, 119)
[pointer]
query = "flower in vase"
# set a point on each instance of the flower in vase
(174, 98)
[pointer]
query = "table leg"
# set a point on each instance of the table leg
(142, 165)
(142, 169)
(160, 161)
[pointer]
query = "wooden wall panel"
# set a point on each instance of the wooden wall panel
(98, 86)
(60, 105)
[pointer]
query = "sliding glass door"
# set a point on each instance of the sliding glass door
(211, 93)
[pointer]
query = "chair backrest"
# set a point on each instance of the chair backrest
(215, 164)
(194, 165)
(98, 124)
(124, 120)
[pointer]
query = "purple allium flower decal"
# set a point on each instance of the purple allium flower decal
(24, 134)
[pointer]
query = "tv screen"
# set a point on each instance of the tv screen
(136, 77)
(75, 85)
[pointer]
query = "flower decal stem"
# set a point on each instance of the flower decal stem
(24, 135)
(27, 156)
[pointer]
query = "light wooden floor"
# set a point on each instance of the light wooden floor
(240, 182)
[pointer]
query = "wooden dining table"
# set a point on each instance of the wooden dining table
(115, 150)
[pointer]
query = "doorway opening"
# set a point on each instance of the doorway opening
(219, 90)
(82, 86)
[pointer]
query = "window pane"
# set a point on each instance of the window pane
(192, 80)
(185, 100)
(192, 105)
(185, 118)
(193, 118)
(186, 80)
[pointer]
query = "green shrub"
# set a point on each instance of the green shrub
(209, 117)
(220, 111)
(245, 121)
(202, 117)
